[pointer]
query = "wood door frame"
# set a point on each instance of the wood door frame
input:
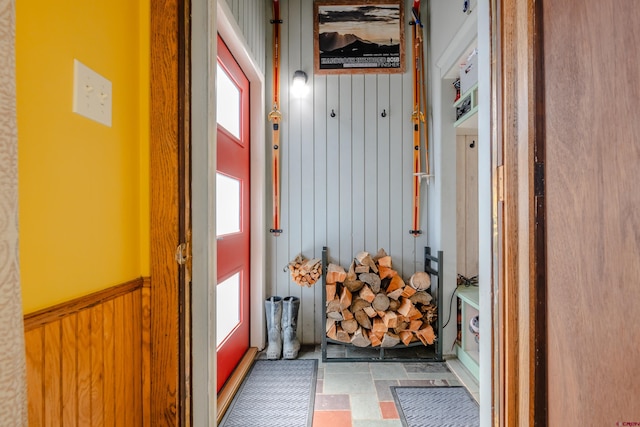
(169, 181)
(521, 389)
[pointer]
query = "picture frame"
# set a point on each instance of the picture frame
(358, 36)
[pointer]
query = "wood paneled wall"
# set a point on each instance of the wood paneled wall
(88, 360)
(346, 180)
(251, 17)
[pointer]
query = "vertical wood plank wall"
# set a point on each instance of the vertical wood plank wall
(346, 181)
(253, 19)
(87, 361)
(467, 205)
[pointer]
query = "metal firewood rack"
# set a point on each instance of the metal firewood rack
(337, 351)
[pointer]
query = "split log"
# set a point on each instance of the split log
(403, 325)
(347, 314)
(421, 297)
(358, 304)
(342, 335)
(381, 254)
(345, 298)
(360, 338)
(384, 261)
(420, 281)
(390, 319)
(351, 274)
(351, 325)
(334, 310)
(395, 295)
(405, 306)
(405, 337)
(386, 272)
(362, 269)
(393, 304)
(367, 294)
(379, 327)
(335, 274)
(375, 340)
(353, 285)
(415, 325)
(408, 291)
(331, 291)
(426, 335)
(365, 259)
(371, 312)
(414, 314)
(330, 329)
(371, 279)
(396, 283)
(363, 319)
(389, 340)
(381, 302)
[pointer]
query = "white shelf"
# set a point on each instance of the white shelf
(469, 120)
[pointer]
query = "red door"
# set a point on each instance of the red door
(232, 213)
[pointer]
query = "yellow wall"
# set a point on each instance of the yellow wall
(83, 187)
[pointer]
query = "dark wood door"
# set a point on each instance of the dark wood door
(592, 130)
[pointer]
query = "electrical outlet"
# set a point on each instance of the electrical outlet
(91, 94)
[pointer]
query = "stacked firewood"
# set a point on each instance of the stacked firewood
(371, 305)
(305, 272)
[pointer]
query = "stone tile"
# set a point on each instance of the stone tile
(332, 419)
(365, 407)
(346, 367)
(383, 389)
(339, 383)
(389, 411)
(387, 371)
(320, 374)
(319, 386)
(426, 367)
(332, 402)
(375, 423)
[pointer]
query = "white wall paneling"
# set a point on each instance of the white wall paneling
(346, 180)
(250, 17)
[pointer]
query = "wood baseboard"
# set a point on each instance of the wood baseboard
(230, 389)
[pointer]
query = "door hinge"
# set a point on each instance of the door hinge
(500, 182)
(182, 253)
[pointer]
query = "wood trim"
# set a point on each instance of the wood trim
(164, 221)
(538, 390)
(522, 371)
(42, 317)
(230, 389)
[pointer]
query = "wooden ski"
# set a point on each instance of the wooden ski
(417, 116)
(276, 117)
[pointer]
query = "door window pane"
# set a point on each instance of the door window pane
(227, 102)
(227, 205)
(227, 307)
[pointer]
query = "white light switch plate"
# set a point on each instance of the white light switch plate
(91, 94)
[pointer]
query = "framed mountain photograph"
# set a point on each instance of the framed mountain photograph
(365, 36)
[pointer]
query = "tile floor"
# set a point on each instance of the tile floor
(358, 394)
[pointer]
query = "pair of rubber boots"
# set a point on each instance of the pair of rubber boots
(282, 325)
